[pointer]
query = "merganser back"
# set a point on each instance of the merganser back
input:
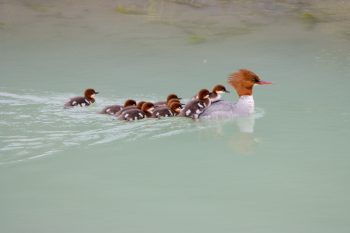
(242, 82)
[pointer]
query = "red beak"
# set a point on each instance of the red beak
(261, 82)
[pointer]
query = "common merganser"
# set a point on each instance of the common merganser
(137, 114)
(138, 106)
(173, 110)
(113, 109)
(195, 107)
(86, 100)
(174, 101)
(215, 94)
(242, 82)
(169, 98)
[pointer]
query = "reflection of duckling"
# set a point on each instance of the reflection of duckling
(195, 107)
(173, 110)
(169, 98)
(113, 109)
(215, 94)
(85, 100)
(138, 106)
(137, 114)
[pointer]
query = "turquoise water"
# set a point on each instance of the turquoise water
(78, 171)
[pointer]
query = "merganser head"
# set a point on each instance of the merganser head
(139, 104)
(148, 107)
(89, 94)
(203, 94)
(130, 102)
(176, 107)
(244, 80)
(218, 89)
(172, 96)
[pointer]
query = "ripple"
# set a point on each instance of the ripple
(42, 127)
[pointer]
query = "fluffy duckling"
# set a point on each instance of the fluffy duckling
(195, 107)
(174, 101)
(113, 109)
(137, 114)
(86, 100)
(173, 110)
(215, 94)
(169, 98)
(138, 106)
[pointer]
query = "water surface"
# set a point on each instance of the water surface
(285, 169)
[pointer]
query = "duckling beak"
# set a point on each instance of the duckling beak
(261, 82)
(227, 92)
(96, 92)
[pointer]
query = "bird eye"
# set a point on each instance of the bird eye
(255, 80)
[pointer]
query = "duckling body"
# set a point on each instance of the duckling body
(137, 114)
(113, 109)
(132, 115)
(82, 101)
(173, 110)
(197, 106)
(133, 107)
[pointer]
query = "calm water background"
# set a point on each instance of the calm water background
(78, 171)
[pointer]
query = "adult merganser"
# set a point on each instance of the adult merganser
(243, 82)
(85, 100)
(137, 114)
(173, 110)
(113, 109)
(195, 107)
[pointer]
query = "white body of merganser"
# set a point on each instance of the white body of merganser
(226, 109)
(243, 82)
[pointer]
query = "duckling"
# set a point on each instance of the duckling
(215, 94)
(113, 109)
(164, 103)
(86, 100)
(173, 110)
(195, 107)
(137, 114)
(138, 106)
(174, 101)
